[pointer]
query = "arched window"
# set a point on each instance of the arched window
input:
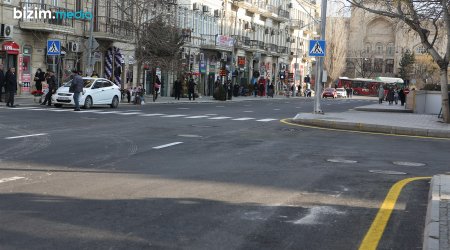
(368, 48)
(390, 49)
(379, 48)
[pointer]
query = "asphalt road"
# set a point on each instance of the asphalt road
(203, 176)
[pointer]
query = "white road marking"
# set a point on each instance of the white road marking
(170, 116)
(316, 214)
(277, 109)
(24, 136)
(220, 106)
(219, 118)
(29, 108)
(266, 120)
(32, 109)
(243, 119)
(11, 179)
(182, 108)
(132, 113)
(196, 117)
(248, 111)
(191, 136)
(152, 114)
(110, 112)
(60, 110)
(211, 114)
(167, 145)
(87, 111)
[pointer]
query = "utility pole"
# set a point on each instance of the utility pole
(320, 60)
(91, 41)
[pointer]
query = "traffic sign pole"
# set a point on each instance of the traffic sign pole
(318, 87)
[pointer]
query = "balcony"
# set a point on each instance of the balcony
(297, 24)
(283, 15)
(242, 41)
(282, 50)
(221, 43)
(111, 29)
(50, 22)
(248, 5)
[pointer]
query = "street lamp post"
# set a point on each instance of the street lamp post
(318, 87)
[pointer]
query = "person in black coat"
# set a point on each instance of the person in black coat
(191, 88)
(402, 96)
(11, 86)
(177, 89)
(2, 81)
(39, 77)
(51, 81)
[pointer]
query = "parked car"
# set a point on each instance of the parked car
(341, 92)
(96, 91)
(329, 92)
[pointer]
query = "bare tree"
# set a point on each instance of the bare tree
(337, 37)
(361, 63)
(426, 70)
(426, 19)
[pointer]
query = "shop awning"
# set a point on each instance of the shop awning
(11, 47)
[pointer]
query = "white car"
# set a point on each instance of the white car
(96, 91)
(341, 92)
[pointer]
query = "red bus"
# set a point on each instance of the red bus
(360, 86)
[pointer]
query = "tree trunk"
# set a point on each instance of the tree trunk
(444, 93)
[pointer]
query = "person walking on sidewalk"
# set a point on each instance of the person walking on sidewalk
(76, 88)
(51, 81)
(11, 86)
(2, 81)
(380, 94)
(396, 96)
(390, 96)
(156, 88)
(39, 77)
(402, 96)
(191, 88)
(177, 88)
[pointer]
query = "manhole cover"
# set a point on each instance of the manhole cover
(341, 161)
(409, 164)
(386, 172)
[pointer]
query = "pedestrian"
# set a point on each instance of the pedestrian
(396, 96)
(129, 94)
(402, 96)
(2, 81)
(271, 90)
(157, 86)
(390, 96)
(177, 88)
(39, 77)
(94, 74)
(380, 94)
(191, 88)
(76, 88)
(51, 81)
(349, 91)
(11, 86)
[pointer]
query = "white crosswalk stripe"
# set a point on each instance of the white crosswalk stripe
(243, 119)
(266, 120)
(219, 118)
(196, 117)
(173, 116)
(131, 113)
(152, 114)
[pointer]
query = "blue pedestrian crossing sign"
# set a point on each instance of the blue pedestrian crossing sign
(317, 48)
(53, 47)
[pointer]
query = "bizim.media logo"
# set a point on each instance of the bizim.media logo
(48, 14)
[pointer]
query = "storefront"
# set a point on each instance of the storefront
(9, 56)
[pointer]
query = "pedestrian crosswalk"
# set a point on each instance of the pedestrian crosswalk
(127, 113)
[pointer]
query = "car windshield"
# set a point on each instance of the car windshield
(329, 90)
(86, 82)
(340, 89)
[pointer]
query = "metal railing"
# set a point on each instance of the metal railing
(114, 27)
(283, 13)
(48, 14)
(282, 50)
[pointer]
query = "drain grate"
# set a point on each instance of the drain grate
(387, 172)
(409, 164)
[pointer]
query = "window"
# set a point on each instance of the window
(368, 48)
(106, 84)
(379, 48)
(78, 5)
(378, 65)
(389, 66)
(390, 49)
(367, 64)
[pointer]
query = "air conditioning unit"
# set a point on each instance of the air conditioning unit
(216, 13)
(196, 6)
(74, 47)
(202, 57)
(205, 9)
(6, 31)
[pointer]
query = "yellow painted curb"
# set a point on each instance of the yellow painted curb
(373, 236)
(285, 121)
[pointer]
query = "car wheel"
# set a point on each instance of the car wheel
(58, 105)
(115, 102)
(88, 102)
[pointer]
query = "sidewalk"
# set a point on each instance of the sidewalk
(437, 223)
(383, 118)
